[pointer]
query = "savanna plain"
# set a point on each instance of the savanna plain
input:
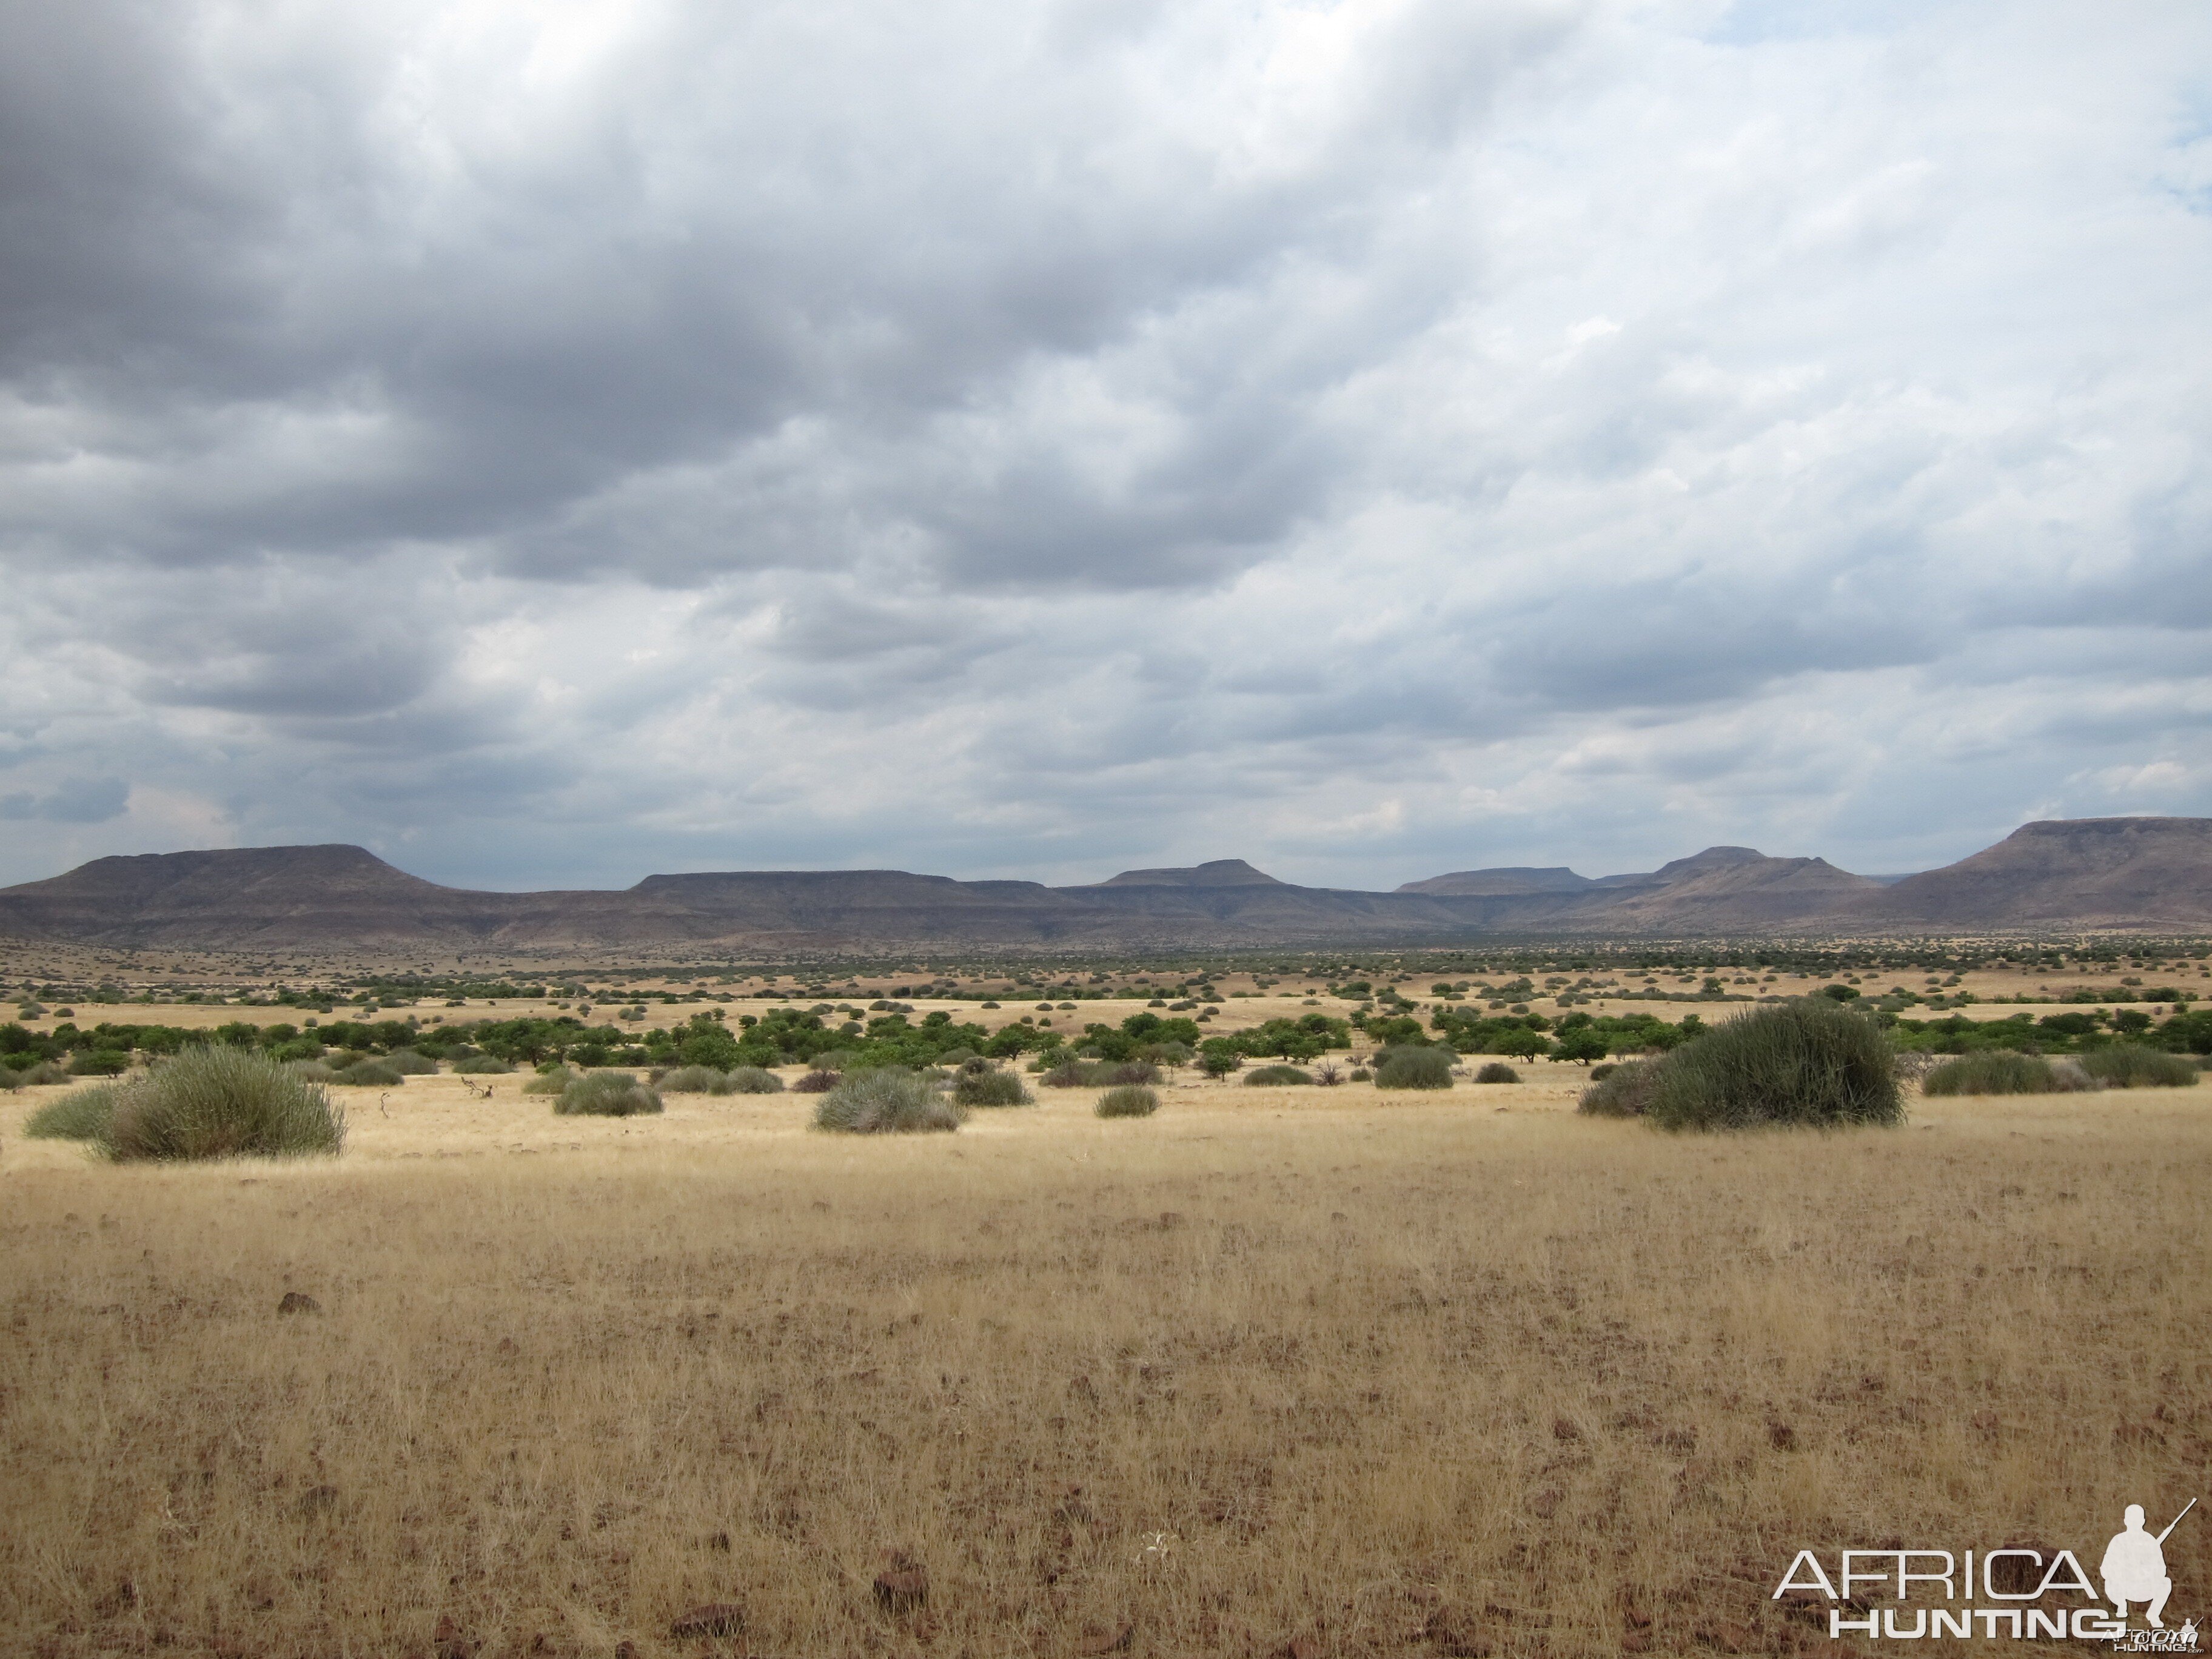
(1273, 1371)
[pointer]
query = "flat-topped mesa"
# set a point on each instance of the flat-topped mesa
(1220, 873)
(1509, 881)
(2142, 874)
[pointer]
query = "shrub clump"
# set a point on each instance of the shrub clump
(2131, 1066)
(1809, 1062)
(368, 1073)
(1496, 1070)
(1413, 1068)
(221, 1101)
(1276, 1074)
(889, 1100)
(554, 1082)
(411, 1064)
(816, 1082)
(694, 1080)
(607, 1094)
(751, 1080)
(990, 1088)
(482, 1065)
(1624, 1090)
(1995, 1071)
(1129, 1100)
(80, 1115)
(44, 1070)
(1130, 1070)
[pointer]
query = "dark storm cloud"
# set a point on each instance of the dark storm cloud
(1369, 429)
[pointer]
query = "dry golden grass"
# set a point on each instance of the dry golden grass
(1380, 1374)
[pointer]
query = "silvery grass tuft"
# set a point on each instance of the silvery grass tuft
(221, 1101)
(890, 1100)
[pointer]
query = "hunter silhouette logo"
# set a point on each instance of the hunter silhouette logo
(2133, 1570)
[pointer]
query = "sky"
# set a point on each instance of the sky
(551, 441)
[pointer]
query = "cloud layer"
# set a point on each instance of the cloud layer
(552, 442)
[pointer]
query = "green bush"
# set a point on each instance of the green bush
(368, 1073)
(482, 1065)
(1413, 1068)
(408, 1063)
(80, 1115)
(815, 1082)
(752, 1080)
(2131, 1065)
(1130, 1100)
(990, 1088)
(889, 1100)
(607, 1094)
(1360, 1074)
(1992, 1072)
(693, 1080)
(221, 1101)
(1497, 1071)
(1070, 1074)
(44, 1070)
(1808, 1062)
(99, 1062)
(1130, 1070)
(1266, 1075)
(1624, 1090)
(554, 1082)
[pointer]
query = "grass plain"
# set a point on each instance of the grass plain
(1297, 1371)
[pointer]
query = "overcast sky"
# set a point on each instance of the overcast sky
(549, 441)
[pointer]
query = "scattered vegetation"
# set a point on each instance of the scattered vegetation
(886, 1100)
(694, 1080)
(990, 1088)
(607, 1094)
(2131, 1066)
(1129, 1100)
(80, 1115)
(368, 1073)
(1993, 1071)
(222, 1103)
(1811, 1062)
(1413, 1068)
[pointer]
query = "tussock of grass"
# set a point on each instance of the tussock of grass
(752, 1080)
(990, 1088)
(1811, 1063)
(1496, 1070)
(1994, 1071)
(2131, 1066)
(368, 1073)
(221, 1101)
(1413, 1068)
(1624, 1090)
(889, 1100)
(692, 1080)
(607, 1094)
(80, 1115)
(407, 1062)
(1130, 1100)
(554, 1082)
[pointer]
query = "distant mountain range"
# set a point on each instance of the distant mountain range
(2144, 874)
